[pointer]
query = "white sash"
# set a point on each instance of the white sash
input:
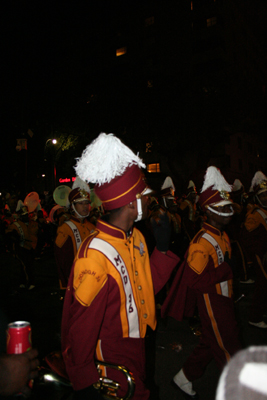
(22, 236)
(215, 244)
(264, 216)
(114, 257)
(76, 234)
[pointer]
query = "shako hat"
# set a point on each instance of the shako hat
(237, 190)
(80, 191)
(215, 190)
(114, 169)
(191, 188)
(238, 186)
(168, 188)
(258, 183)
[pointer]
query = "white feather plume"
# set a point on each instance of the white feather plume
(104, 159)
(80, 184)
(191, 185)
(258, 178)
(216, 180)
(237, 185)
(20, 204)
(168, 183)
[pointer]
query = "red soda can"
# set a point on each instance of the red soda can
(19, 337)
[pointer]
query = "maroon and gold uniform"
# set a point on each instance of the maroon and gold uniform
(254, 241)
(205, 279)
(68, 240)
(109, 303)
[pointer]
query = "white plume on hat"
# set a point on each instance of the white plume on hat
(80, 184)
(20, 204)
(216, 180)
(191, 185)
(258, 178)
(104, 159)
(237, 185)
(168, 183)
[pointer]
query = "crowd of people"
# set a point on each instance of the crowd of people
(136, 250)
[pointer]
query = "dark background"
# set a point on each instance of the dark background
(183, 85)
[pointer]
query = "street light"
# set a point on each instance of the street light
(54, 141)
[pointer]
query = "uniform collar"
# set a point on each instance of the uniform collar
(211, 228)
(111, 230)
(73, 218)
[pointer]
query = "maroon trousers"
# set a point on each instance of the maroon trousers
(220, 337)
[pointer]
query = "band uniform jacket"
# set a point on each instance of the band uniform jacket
(201, 273)
(27, 233)
(109, 303)
(67, 243)
(205, 280)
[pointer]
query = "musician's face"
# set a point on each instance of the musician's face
(263, 199)
(83, 207)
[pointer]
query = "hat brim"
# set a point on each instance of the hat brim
(222, 203)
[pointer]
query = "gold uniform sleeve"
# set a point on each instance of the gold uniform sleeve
(88, 280)
(61, 237)
(197, 258)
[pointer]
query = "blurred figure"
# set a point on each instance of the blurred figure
(240, 262)
(187, 210)
(167, 199)
(254, 243)
(21, 238)
(245, 376)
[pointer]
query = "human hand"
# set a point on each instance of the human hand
(16, 370)
(162, 231)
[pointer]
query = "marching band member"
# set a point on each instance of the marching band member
(72, 232)
(22, 234)
(254, 242)
(205, 280)
(188, 211)
(109, 302)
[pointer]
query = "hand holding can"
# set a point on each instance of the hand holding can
(21, 360)
(16, 371)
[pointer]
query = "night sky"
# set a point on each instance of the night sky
(45, 69)
(51, 54)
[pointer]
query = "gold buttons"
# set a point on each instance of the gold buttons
(145, 315)
(136, 273)
(139, 287)
(142, 301)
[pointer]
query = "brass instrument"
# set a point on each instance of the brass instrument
(54, 371)
(109, 388)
